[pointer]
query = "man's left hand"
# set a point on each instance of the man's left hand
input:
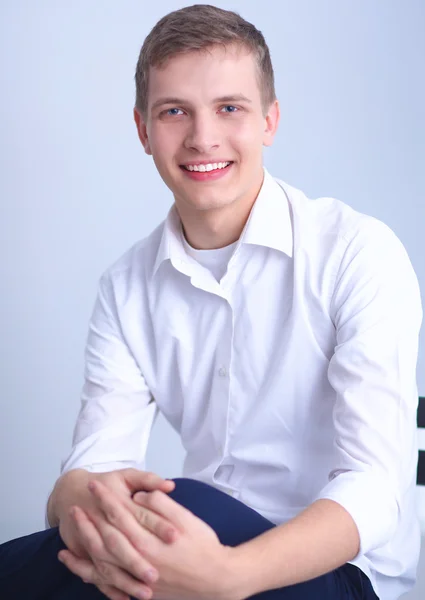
(193, 566)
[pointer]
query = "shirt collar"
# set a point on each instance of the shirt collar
(269, 224)
(171, 246)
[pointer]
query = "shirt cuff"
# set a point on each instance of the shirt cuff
(372, 503)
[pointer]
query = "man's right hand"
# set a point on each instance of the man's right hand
(72, 489)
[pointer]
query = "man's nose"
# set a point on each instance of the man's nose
(203, 135)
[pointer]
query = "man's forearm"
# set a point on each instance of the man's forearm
(73, 482)
(320, 539)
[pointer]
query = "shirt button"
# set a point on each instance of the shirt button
(222, 371)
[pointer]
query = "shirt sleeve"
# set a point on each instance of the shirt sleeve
(376, 309)
(117, 409)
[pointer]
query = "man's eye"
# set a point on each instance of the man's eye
(173, 111)
(231, 107)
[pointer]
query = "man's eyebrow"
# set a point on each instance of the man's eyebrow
(181, 101)
(169, 100)
(233, 98)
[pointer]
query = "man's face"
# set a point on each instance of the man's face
(205, 108)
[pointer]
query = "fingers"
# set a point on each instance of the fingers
(105, 543)
(113, 593)
(124, 518)
(89, 573)
(79, 566)
(104, 546)
(145, 480)
(86, 570)
(162, 504)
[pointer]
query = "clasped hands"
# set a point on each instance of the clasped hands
(149, 547)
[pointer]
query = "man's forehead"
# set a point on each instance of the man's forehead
(180, 82)
(219, 53)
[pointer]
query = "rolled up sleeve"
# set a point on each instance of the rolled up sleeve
(117, 409)
(376, 309)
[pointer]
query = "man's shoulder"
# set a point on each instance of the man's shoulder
(138, 259)
(331, 218)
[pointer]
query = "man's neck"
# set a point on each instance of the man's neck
(216, 228)
(208, 232)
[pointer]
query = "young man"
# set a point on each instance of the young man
(278, 335)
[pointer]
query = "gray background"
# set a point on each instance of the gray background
(77, 190)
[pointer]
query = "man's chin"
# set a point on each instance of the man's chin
(204, 204)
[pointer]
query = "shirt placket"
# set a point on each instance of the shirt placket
(225, 474)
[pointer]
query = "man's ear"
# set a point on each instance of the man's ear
(142, 130)
(271, 123)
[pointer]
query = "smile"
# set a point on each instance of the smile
(207, 172)
(208, 167)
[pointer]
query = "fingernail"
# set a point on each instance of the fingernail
(139, 497)
(151, 576)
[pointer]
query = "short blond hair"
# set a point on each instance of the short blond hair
(198, 28)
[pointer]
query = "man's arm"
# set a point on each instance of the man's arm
(320, 539)
(377, 313)
(109, 444)
(117, 410)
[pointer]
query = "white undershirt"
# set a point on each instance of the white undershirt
(215, 260)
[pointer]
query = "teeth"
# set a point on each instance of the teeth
(209, 167)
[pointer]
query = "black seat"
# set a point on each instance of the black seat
(420, 479)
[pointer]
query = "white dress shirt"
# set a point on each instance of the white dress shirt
(290, 379)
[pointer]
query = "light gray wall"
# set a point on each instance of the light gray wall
(76, 188)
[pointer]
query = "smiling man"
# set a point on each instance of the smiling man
(205, 118)
(278, 335)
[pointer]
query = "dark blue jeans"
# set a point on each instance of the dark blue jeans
(30, 570)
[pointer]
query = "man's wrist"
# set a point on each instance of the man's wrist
(52, 519)
(71, 481)
(235, 578)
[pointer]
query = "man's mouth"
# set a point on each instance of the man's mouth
(207, 168)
